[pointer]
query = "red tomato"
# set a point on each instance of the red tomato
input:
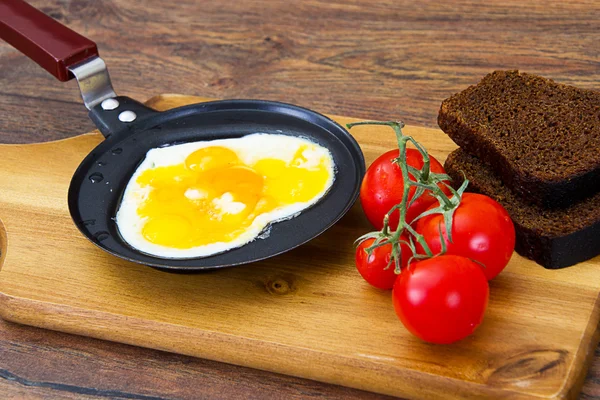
(382, 188)
(441, 299)
(373, 268)
(481, 230)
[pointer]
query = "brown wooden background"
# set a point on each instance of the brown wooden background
(370, 59)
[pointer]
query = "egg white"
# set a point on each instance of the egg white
(249, 149)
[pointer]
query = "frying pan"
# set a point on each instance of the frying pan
(131, 129)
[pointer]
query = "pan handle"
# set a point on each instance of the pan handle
(66, 55)
(46, 41)
(59, 50)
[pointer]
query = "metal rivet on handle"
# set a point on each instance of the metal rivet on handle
(110, 104)
(127, 116)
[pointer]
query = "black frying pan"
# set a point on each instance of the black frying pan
(131, 129)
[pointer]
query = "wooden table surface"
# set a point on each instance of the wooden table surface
(371, 59)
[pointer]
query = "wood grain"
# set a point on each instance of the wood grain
(305, 313)
(385, 59)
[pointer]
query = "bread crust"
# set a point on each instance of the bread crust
(554, 238)
(469, 118)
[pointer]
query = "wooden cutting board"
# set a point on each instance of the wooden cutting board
(306, 313)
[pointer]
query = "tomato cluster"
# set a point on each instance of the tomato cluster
(450, 244)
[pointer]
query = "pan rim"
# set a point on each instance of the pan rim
(254, 105)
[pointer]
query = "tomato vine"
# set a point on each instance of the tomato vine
(424, 181)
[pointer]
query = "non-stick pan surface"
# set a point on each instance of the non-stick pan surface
(99, 182)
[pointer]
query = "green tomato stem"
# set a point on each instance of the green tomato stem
(424, 179)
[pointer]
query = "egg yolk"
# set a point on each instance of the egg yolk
(214, 197)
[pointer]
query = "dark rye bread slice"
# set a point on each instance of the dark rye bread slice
(554, 238)
(541, 137)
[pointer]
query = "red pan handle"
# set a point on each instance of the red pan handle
(46, 41)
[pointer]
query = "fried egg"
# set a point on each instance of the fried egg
(198, 199)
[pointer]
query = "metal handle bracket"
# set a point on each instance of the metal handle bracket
(94, 81)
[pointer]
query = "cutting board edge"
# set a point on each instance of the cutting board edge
(155, 101)
(27, 312)
(584, 356)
